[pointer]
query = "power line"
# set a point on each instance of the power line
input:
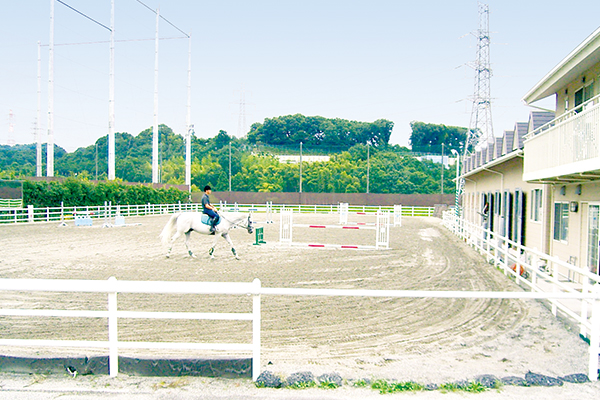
(121, 40)
(163, 18)
(82, 14)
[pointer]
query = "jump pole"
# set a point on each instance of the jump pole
(343, 210)
(381, 228)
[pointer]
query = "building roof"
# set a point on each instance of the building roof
(578, 61)
(507, 142)
(539, 118)
(520, 132)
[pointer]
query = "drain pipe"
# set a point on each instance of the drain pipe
(475, 191)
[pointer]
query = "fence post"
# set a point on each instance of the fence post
(584, 306)
(256, 329)
(113, 338)
(594, 338)
(30, 214)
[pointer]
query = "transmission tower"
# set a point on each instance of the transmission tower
(481, 132)
(242, 114)
(11, 129)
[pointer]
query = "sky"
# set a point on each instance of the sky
(254, 59)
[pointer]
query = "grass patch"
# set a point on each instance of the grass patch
(385, 387)
(302, 385)
(328, 385)
(471, 387)
(361, 383)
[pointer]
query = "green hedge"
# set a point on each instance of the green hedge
(75, 192)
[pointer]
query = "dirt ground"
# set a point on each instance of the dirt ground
(425, 340)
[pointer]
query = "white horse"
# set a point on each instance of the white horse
(186, 222)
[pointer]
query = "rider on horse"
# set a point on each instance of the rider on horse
(209, 209)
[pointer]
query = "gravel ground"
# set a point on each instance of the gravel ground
(422, 340)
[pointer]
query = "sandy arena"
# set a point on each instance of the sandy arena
(423, 340)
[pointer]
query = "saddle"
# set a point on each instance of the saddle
(206, 220)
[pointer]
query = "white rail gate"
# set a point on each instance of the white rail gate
(381, 228)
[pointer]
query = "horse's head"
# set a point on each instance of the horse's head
(249, 226)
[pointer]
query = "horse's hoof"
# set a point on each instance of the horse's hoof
(193, 256)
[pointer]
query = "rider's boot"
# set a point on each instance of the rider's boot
(212, 226)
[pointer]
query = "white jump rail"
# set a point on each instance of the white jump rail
(381, 228)
(344, 211)
(112, 287)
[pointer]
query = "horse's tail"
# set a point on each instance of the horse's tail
(169, 229)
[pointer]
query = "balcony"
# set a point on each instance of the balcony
(567, 149)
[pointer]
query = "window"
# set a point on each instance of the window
(583, 95)
(593, 225)
(536, 205)
(561, 221)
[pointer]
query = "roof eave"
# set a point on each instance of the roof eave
(580, 59)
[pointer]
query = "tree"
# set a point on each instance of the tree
(316, 130)
(428, 138)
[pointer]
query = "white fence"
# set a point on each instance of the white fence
(32, 214)
(112, 287)
(540, 273)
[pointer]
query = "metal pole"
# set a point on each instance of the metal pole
(188, 137)
(368, 166)
(230, 164)
(111, 97)
(155, 177)
(38, 128)
(300, 167)
(50, 143)
(456, 197)
(442, 168)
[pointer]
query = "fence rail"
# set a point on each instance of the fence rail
(540, 273)
(112, 287)
(32, 214)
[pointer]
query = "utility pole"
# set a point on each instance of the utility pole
(188, 119)
(155, 135)
(368, 166)
(300, 167)
(50, 143)
(111, 98)
(443, 166)
(38, 124)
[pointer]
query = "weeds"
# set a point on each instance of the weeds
(385, 387)
(302, 385)
(177, 383)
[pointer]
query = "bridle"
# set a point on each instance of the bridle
(247, 225)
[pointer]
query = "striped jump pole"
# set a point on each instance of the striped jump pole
(381, 228)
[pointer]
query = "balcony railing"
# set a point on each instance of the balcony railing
(567, 147)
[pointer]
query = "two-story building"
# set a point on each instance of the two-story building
(539, 184)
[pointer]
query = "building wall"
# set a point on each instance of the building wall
(501, 189)
(577, 243)
(568, 92)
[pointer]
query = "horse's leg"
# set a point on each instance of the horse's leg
(173, 239)
(187, 244)
(211, 251)
(226, 237)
